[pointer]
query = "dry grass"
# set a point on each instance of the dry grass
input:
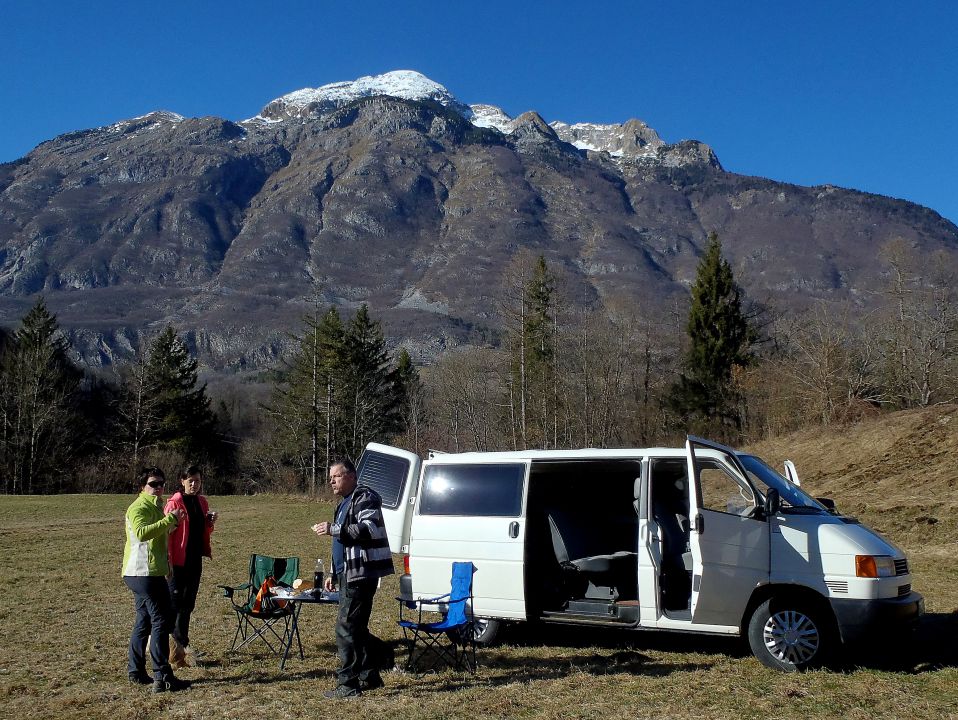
(67, 616)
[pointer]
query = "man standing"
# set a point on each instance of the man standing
(360, 558)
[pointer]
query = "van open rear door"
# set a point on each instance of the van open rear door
(394, 474)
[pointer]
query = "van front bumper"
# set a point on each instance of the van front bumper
(857, 618)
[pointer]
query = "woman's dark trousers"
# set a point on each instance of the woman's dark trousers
(184, 585)
(154, 620)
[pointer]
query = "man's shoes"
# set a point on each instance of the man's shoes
(343, 693)
(373, 683)
(140, 678)
(169, 683)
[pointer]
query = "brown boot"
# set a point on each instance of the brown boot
(177, 654)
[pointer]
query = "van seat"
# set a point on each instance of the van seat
(604, 569)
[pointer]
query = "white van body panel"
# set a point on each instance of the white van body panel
(498, 588)
(494, 544)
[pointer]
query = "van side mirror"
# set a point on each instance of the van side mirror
(827, 502)
(773, 502)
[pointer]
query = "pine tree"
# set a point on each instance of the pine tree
(529, 313)
(40, 391)
(162, 405)
(371, 399)
(306, 404)
(719, 340)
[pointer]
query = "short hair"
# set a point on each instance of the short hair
(345, 462)
(190, 472)
(146, 473)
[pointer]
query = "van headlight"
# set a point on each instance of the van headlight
(874, 566)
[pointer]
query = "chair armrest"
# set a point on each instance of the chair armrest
(228, 590)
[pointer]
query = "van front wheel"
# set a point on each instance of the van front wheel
(790, 635)
(484, 630)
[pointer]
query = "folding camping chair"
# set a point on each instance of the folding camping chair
(263, 622)
(450, 640)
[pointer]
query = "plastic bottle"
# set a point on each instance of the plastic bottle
(319, 572)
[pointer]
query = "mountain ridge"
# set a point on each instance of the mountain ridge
(231, 230)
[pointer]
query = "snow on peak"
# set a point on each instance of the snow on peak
(404, 84)
(490, 116)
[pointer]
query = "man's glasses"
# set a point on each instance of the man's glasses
(156, 483)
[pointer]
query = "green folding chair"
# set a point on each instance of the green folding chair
(273, 622)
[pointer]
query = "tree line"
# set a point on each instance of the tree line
(556, 374)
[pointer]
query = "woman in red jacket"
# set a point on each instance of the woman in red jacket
(188, 543)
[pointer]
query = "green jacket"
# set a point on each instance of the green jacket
(147, 527)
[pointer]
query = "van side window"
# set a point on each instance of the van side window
(386, 474)
(721, 492)
(493, 490)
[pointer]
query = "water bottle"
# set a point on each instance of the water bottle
(319, 572)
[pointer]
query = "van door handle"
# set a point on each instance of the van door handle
(513, 529)
(699, 523)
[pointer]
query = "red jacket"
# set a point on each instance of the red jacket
(177, 543)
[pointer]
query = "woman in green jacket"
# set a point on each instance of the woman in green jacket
(145, 567)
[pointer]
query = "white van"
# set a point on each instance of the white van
(621, 538)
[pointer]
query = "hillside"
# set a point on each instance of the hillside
(897, 472)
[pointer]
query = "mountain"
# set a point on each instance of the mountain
(389, 190)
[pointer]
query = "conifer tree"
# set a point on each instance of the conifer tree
(372, 402)
(719, 340)
(307, 402)
(161, 404)
(39, 392)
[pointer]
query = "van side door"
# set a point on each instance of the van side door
(394, 474)
(473, 510)
(729, 537)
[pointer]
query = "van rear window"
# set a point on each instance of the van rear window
(493, 490)
(386, 474)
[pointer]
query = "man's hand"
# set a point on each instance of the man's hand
(180, 513)
(321, 528)
(328, 584)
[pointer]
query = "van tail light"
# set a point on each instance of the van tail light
(405, 564)
(874, 566)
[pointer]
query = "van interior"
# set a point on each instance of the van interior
(582, 538)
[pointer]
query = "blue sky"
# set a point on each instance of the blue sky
(857, 94)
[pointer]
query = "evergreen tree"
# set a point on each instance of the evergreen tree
(719, 340)
(372, 404)
(410, 396)
(531, 326)
(161, 404)
(307, 402)
(39, 393)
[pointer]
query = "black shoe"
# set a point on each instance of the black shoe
(343, 693)
(373, 683)
(140, 678)
(169, 683)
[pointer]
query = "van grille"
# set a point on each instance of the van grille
(901, 567)
(904, 590)
(837, 586)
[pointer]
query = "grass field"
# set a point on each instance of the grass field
(66, 617)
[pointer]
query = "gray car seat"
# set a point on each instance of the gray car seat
(601, 571)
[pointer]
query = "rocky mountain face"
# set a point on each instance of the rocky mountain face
(390, 191)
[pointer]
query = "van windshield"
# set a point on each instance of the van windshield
(765, 477)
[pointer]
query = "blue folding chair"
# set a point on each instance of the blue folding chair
(450, 641)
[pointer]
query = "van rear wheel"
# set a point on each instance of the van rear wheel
(484, 630)
(790, 635)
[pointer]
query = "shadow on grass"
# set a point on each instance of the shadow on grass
(929, 647)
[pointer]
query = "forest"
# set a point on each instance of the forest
(556, 373)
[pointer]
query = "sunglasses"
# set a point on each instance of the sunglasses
(156, 483)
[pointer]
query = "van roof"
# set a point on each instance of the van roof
(579, 454)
